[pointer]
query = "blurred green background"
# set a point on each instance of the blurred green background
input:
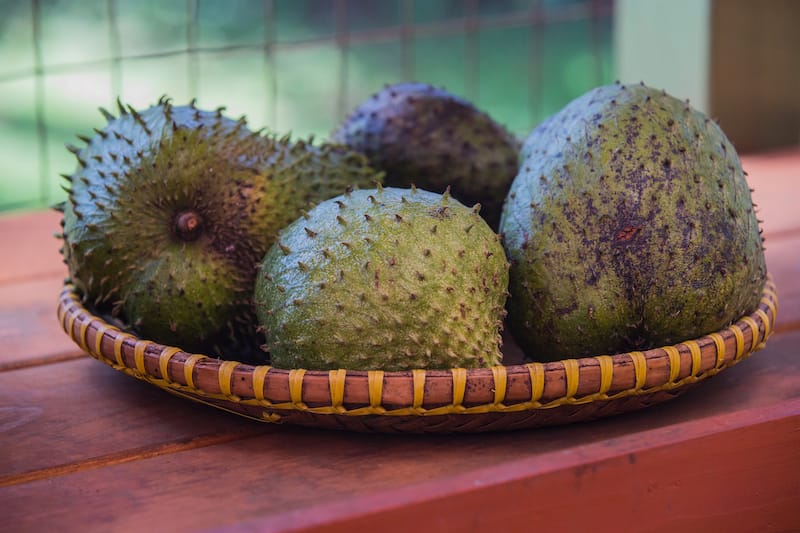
(289, 65)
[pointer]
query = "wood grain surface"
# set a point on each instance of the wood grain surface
(83, 447)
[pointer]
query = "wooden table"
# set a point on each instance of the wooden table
(83, 446)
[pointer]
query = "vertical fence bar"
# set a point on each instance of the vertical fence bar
(535, 43)
(472, 50)
(407, 41)
(191, 46)
(535, 20)
(270, 65)
(342, 42)
(595, 13)
(115, 47)
(39, 98)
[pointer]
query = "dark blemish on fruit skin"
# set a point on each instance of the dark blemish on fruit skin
(567, 310)
(439, 212)
(664, 171)
(626, 234)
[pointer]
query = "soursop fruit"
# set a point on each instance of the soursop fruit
(629, 226)
(171, 209)
(319, 172)
(428, 137)
(390, 279)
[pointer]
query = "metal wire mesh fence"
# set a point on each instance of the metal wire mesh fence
(295, 65)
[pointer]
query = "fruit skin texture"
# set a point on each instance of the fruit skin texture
(629, 226)
(170, 210)
(430, 138)
(390, 279)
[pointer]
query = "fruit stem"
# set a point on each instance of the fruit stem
(188, 225)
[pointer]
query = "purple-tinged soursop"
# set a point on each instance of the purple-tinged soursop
(421, 135)
(629, 226)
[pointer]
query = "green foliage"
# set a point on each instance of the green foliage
(96, 51)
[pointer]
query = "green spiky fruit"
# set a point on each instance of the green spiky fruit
(428, 137)
(388, 279)
(629, 226)
(319, 172)
(171, 209)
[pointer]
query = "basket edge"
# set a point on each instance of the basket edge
(324, 392)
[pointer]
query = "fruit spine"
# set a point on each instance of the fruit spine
(629, 226)
(170, 210)
(388, 279)
(426, 136)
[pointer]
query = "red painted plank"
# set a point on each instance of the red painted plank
(709, 475)
(29, 330)
(773, 176)
(60, 415)
(29, 249)
(131, 446)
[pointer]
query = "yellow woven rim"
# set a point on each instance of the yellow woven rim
(176, 371)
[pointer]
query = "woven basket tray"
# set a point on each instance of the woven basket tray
(455, 400)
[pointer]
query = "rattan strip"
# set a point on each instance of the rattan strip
(336, 382)
(418, 377)
(719, 343)
(459, 385)
(674, 358)
(188, 370)
(62, 313)
(772, 305)
(697, 357)
(606, 373)
(296, 386)
(98, 339)
(113, 331)
(639, 369)
(119, 340)
(70, 325)
(765, 320)
(138, 355)
(225, 378)
(500, 380)
(259, 381)
(84, 328)
(739, 338)
(754, 329)
(163, 362)
(375, 385)
(536, 373)
(572, 376)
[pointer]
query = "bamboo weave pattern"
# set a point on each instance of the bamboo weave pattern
(758, 326)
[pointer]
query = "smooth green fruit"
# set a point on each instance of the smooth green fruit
(171, 209)
(388, 279)
(629, 226)
(428, 137)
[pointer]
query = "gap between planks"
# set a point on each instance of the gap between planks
(781, 234)
(35, 276)
(128, 456)
(785, 327)
(598, 464)
(43, 360)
